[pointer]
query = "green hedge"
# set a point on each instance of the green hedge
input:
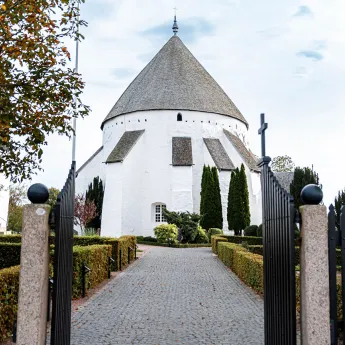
(179, 245)
(251, 240)
(10, 238)
(96, 258)
(246, 265)
(214, 242)
(117, 243)
(9, 254)
(249, 268)
(9, 286)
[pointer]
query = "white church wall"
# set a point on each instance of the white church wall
(94, 168)
(112, 201)
(147, 176)
(182, 192)
(224, 181)
(4, 199)
(255, 200)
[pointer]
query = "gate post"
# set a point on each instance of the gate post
(315, 326)
(34, 270)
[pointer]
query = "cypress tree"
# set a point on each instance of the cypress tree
(243, 190)
(218, 217)
(339, 201)
(301, 177)
(230, 213)
(95, 193)
(209, 207)
(236, 200)
(202, 192)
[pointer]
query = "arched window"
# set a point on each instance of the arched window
(158, 215)
(179, 117)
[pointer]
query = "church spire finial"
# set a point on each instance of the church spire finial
(175, 26)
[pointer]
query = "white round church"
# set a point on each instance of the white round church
(170, 121)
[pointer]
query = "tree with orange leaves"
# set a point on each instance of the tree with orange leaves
(37, 89)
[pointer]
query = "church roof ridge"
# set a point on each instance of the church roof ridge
(175, 80)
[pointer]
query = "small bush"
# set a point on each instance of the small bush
(251, 230)
(9, 287)
(166, 233)
(9, 254)
(259, 232)
(201, 237)
(214, 231)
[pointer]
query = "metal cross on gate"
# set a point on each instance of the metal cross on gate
(261, 131)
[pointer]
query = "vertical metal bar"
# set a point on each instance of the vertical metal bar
(120, 259)
(332, 274)
(109, 268)
(342, 246)
(63, 263)
(292, 272)
(129, 255)
(135, 253)
(83, 280)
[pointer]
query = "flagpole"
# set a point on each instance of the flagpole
(74, 139)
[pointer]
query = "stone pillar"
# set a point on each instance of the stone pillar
(315, 327)
(34, 272)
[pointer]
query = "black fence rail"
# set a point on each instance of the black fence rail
(63, 263)
(279, 260)
(336, 254)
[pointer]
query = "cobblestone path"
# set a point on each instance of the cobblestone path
(172, 296)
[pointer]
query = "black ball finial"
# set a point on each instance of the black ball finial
(311, 194)
(38, 193)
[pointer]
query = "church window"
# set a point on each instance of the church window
(145, 120)
(159, 216)
(138, 120)
(209, 121)
(179, 117)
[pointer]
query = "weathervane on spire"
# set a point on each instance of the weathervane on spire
(175, 26)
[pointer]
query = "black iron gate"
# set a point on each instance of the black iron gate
(278, 215)
(63, 263)
(336, 254)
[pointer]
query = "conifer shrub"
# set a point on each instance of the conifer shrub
(166, 233)
(9, 287)
(218, 211)
(149, 239)
(251, 230)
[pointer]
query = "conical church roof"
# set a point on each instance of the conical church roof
(175, 80)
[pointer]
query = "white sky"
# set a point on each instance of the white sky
(284, 58)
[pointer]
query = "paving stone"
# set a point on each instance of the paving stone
(172, 296)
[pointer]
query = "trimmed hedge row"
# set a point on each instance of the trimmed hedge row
(9, 286)
(251, 240)
(9, 254)
(246, 265)
(96, 258)
(10, 238)
(214, 242)
(249, 268)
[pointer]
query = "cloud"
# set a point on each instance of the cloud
(273, 32)
(122, 72)
(311, 54)
(303, 11)
(189, 33)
